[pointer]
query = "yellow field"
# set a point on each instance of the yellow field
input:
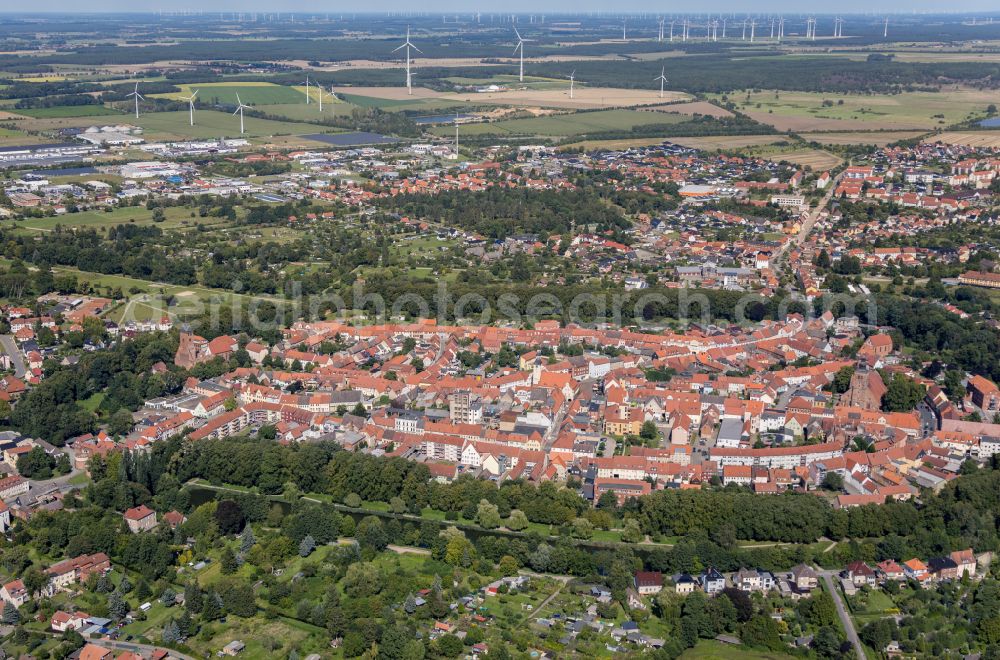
(817, 159)
(716, 142)
(878, 138)
(584, 98)
(987, 139)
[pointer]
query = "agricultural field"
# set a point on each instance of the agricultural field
(211, 123)
(565, 125)
(816, 159)
(724, 142)
(877, 138)
(694, 108)
(536, 92)
(251, 93)
(986, 139)
(59, 111)
(810, 111)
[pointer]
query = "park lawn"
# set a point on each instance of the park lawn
(59, 111)
(214, 124)
(92, 403)
(79, 479)
(710, 649)
(565, 125)
(175, 218)
(251, 93)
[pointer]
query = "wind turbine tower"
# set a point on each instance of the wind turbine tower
(572, 77)
(662, 78)
(239, 109)
(190, 100)
(520, 47)
(408, 45)
(137, 96)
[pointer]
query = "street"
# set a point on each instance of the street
(11, 349)
(845, 618)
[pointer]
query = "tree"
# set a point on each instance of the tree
(827, 643)
(125, 585)
(649, 430)
(370, 533)
(842, 380)
(193, 597)
(306, 546)
(168, 597)
(171, 633)
(488, 515)
(212, 609)
(121, 422)
(117, 607)
(230, 517)
(517, 520)
(36, 464)
(762, 631)
(10, 614)
(450, 646)
(582, 528)
(508, 565)
(227, 562)
(631, 533)
(247, 540)
(362, 580)
(608, 501)
(833, 481)
(902, 394)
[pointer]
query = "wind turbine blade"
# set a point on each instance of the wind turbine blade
(238, 101)
(416, 49)
(194, 94)
(401, 47)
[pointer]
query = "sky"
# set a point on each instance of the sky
(536, 6)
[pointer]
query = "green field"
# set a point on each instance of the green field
(710, 649)
(262, 93)
(176, 218)
(915, 110)
(210, 123)
(302, 112)
(59, 111)
(565, 125)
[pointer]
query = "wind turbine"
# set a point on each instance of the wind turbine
(190, 100)
(137, 96)
(520, 46)
(624, 25)
(885, 30)
(239, 109)
(572, 77)
(407, 45)
(307, 89)
(662, 78)
(660, 37)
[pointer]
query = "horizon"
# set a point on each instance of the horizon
(518, 7)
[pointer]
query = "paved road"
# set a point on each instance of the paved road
(811, 219)
(11, 349)
(845, 618)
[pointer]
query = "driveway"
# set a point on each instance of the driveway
(845, 618)
(11, 349)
